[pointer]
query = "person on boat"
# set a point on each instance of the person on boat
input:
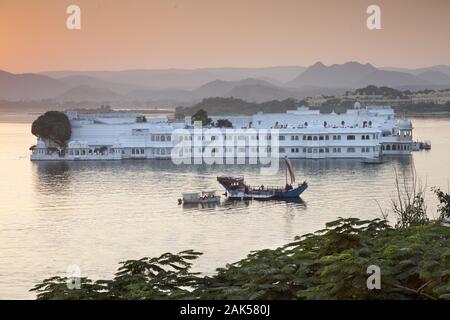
(262, 187)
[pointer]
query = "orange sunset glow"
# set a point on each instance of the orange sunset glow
(191, 34)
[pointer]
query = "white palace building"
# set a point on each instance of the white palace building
(302, 133)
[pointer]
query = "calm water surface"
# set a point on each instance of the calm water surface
(95, 214)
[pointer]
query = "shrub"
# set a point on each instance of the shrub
(444, 203)
(329, 264)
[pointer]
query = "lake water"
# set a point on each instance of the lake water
(95, 214)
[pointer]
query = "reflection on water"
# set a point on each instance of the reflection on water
(95, 214)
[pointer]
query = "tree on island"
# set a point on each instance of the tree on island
(224, 123)
(202, 115)
(53, 125)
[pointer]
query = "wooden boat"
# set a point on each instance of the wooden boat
(236, 188)
(372, 161)
(205, 196)
(426, 145)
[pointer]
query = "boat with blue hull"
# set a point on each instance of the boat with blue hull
(236, 188)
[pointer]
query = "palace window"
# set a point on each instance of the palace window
(350, 150)
(350, 137)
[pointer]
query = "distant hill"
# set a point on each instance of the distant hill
(233, 106)
(186, 79)
(87, 93)
(440, 68)
(189, 86)
(353, 75)
(253, 90)
(393, 79)
(28, 86)
(337, 75)
(435, 77)
(174, 95)
(260, 92)
(380, 91)
(216, 88)
(80, 80)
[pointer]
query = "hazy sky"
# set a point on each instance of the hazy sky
(217, 33)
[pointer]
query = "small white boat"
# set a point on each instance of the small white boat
(204, 196)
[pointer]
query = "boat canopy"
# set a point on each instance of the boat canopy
(191, 196)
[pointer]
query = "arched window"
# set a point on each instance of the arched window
(388, 147)
(306, 124)
(363, 138)
(315, 138)
(367, 137)
(394, 147)
(324, 123)
(342, 122)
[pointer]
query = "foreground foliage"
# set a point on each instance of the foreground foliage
(329, 264)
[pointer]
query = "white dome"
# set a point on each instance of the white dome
(357, 105)
(77, 144)
(404, 124)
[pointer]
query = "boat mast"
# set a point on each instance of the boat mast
(285, 165)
